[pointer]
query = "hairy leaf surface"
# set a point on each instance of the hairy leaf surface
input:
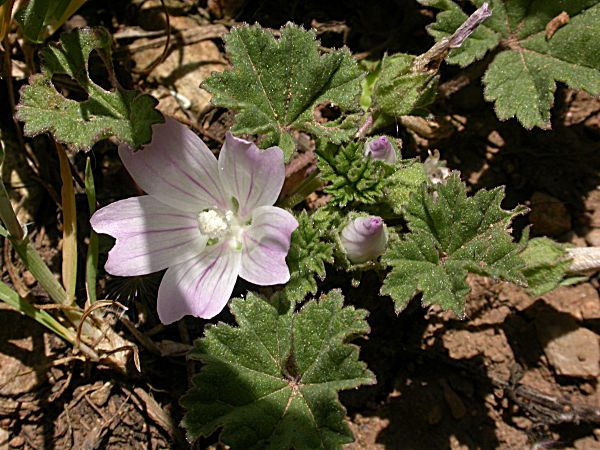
(451, 235)
(272, 381)
(127, 115)
(521, 79)
(276, 85)
(352, 177)
(406, 179)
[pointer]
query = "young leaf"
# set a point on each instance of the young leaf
(547, 265)
(521, 79)
(272, 382)
(400, 90)
(353, 177)
(122, 113)
(451, 235)
(407, 178)
(276, 85)
(309, 251)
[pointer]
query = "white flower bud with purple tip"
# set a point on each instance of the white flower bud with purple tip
(364, 239)
(381, 149)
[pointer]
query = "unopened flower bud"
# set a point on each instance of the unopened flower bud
(364, 239)
(436, 170)
(381, 149)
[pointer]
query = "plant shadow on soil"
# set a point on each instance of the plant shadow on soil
(563, 162)
(416, 388)
(426, 397)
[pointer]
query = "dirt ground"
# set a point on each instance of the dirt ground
(517, 373)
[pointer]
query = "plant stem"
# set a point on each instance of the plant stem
(585, 259)
(91, 259)
(13, 299)
(7, 213)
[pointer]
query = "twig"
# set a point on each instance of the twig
(551, 410)
(433, 57)
(144, 340)
(365, 127)
(185, 37)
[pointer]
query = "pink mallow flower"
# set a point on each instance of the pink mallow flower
(364, 239)
(207, 221)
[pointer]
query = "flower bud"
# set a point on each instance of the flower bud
(364, 239)
(436, 170)
(381, 149)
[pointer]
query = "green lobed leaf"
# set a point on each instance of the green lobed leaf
(451, 235)
(310, 250)
(125, 114)
(272, 382)
(521, 79)
(352, 177)
(275, 85)
(546, 266)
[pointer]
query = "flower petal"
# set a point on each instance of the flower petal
(254, 177)
(200, 287)
(150, 235)
(177, 168)
(364, 238)
(265, 245)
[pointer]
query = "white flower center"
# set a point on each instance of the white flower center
(214, 223)
(219, 225)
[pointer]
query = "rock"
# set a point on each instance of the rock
(515, 296)
(593, 237)
(4, 438)
(587, 443)
(592, 205)
(496, 139)
(224, 8)
(522, 422)
(582, 301)
(184, 69)
(571, 350)
(17, 441)
(549, 216)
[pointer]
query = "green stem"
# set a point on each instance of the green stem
(7, 213)
(91, 259)
(308, 186)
